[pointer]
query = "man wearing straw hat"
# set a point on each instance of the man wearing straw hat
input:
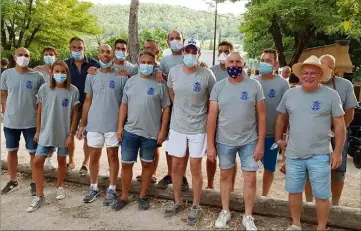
(311, 110)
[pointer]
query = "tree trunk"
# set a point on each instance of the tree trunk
(133, 45)
(26, 23)
(276, 33)
(301, 40)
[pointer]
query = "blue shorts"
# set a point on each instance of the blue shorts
(12, 137)
(227, 156)
(44, 151)
(131, 144)
(317, 168)
(269, 159)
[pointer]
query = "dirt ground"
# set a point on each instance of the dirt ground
(72, 213)
(351, 196)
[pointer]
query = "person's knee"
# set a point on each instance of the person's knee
(61, 162)
(113, 158)
(177, 164)
(249, 179)
(226, 175)
(337, 176)
(147, 165)
(127, 166)
(38, 162)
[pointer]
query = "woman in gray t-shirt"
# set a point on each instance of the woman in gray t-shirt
(56, 127)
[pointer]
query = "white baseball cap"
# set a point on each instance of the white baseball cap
(192, 42)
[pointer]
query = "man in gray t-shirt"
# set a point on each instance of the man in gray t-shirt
(124, 67)
(274, 87)
(143, 124)
(237, 122)
(315, 115)
(19, 87)
(100, 113)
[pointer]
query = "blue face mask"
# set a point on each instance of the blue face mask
(146, 69)
(234, 72)
(265, 68)
(59, 77)
(48, 59)
(105, 65)
(190, 60)
(77, 55)
(175, 45)
(120, 55)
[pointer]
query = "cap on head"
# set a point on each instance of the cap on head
(192, 42)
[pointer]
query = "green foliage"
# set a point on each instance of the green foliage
(350, 11)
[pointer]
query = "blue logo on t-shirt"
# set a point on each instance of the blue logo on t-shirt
(29, 84)
(151, 91)
(244, 95)
(65, 102)
(316, 105)
(272, 93)
(112, 84)
(197, 86)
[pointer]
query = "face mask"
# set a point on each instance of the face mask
(77, 55)
(59, 77)
(105, 65)
(265, 68)
(22, 61)
(146, 69)
(327, 78)
(190, 60)
(234, 72)
(175, 45)
(120, 55)
(49, 59)
(222, 58)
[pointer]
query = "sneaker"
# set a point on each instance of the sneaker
(32, 189)
(143, 203)
(185, 185)
(119, 204)
(173, 209)
(248, 223)
(37, 203)
(9, 187)
(49, 164)
(110, 197)
(163, 183)
(92, 195)
(83, 170)
(60, 194)
(223, 219)
(194, 215)
(294, 227)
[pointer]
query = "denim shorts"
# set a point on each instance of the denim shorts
(269, 159)
(317, 168)
(132, 143)
(12, 137)
(227, 156)
(44, 151)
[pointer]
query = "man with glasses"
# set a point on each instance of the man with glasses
(19, 87)
(311, 109)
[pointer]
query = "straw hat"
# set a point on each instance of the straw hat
(312, 60)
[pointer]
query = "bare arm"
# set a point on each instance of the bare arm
(171, 94)
(122, 116)
(86, 107)
(4, 96)
(212, 123)
(165, 120)
(74, 116)
(38, 118)
(280, 124)
(261, 120)
(348, 117)
(340, 133)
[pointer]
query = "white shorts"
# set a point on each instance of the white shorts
(178, 142)
(98, 139)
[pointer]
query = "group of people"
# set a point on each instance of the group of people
(193, 110)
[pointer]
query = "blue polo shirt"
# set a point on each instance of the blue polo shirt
(78, 77)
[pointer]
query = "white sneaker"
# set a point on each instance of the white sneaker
(248, 223)
(35, 204)
(49, 163)
(294, 227)
(223, 219)
(60, 194)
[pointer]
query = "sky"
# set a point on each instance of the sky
(227, 7)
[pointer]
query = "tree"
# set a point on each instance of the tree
(278, 22)
(133, 31)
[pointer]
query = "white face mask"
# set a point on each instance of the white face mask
(222, 58)
(22, 61)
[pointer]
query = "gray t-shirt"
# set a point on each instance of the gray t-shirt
(273, 90)
(129, 67)
(345, 90)
(57, 105)
(20, 111)
(237, 118)
(310, 117)
(146, 98)
(219, 72)
(44, 71)
(107, 92)
(170, 61)
(191, 93)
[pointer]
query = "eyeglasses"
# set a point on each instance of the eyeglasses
(312, 74)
